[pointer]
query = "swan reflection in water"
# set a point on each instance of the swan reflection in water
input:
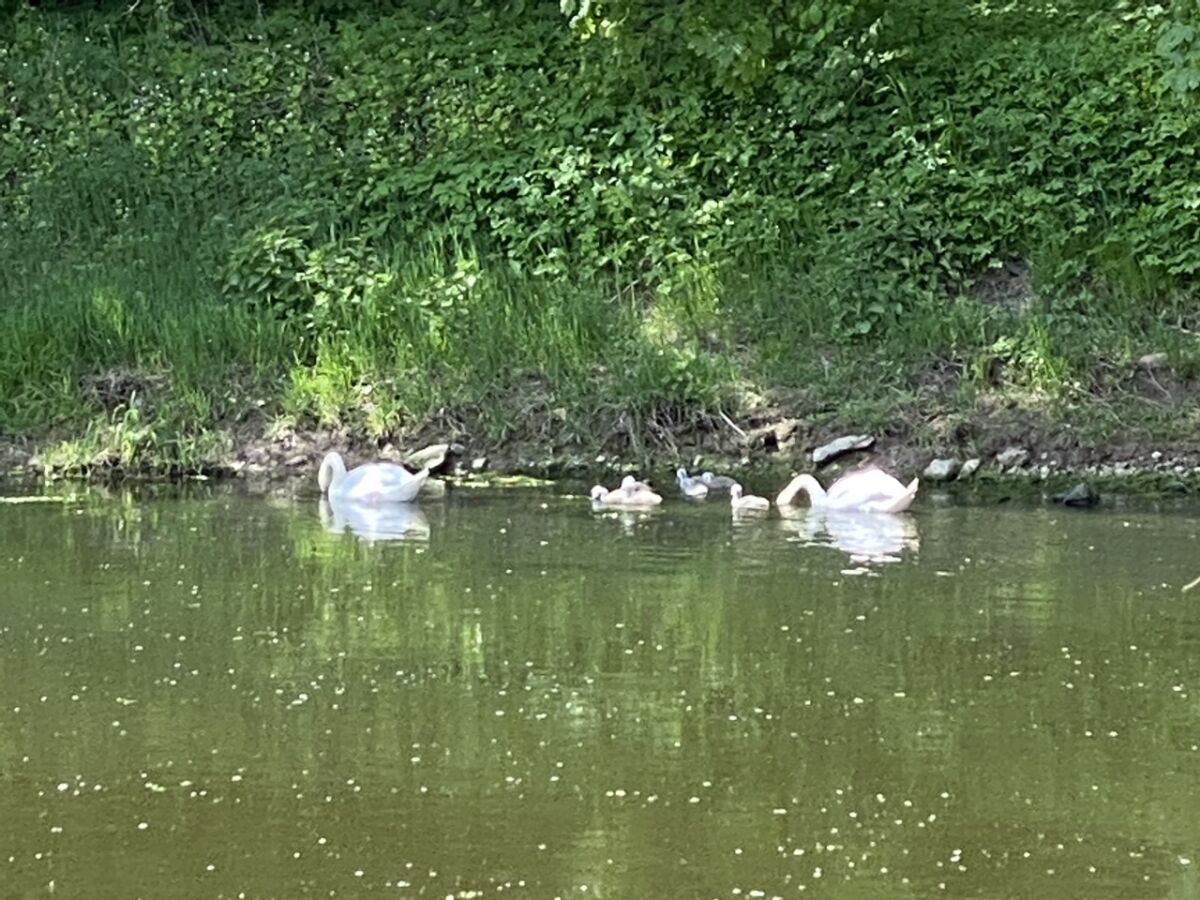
(629, 518)
(384, 522)
(866, 537)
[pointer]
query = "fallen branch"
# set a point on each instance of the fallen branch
(1191, 584)
(728, 421)
(1154, 381)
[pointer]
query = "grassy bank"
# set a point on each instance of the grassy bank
(218, 224)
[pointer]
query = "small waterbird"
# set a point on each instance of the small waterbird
(716, 483)
(692, 488)
(740, 503)
(631, 493)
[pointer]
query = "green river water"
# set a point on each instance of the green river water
(212, 695)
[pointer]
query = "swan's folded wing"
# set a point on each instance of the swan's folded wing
(866, 484)
(384, 482)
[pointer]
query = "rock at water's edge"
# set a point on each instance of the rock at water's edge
(437, 458)
(1012, 458)
(942, 470)
(840, 447)
(1082, 495)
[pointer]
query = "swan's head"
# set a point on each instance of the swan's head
(331, 469)
(707, 476)
(735, 492)
(597, 492)
(629, 484)
(681, 474)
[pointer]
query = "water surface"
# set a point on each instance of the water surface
(508, 694)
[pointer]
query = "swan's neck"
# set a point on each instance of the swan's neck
(816, 493)
(333, 470)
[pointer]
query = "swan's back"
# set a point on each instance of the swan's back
(871, 488)
(381, 483)
(869, 481)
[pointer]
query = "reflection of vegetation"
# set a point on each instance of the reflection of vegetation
(555, 663)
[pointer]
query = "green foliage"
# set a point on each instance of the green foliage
(1179, 45)
(425, 204)
(279, 268)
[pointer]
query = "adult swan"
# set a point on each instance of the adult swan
(866, 490)
(369, 483)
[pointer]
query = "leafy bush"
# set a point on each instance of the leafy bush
(396, 185)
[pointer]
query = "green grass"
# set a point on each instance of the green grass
(133, 357)
(136, 357)
(1069, 357)
(373, 238)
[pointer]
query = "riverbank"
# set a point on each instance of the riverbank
(231, 238)
(1008, 443)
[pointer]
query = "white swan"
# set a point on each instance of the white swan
(692, 488)
(631, 493)
(747, 503)
(866, 490)
(370, 483)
